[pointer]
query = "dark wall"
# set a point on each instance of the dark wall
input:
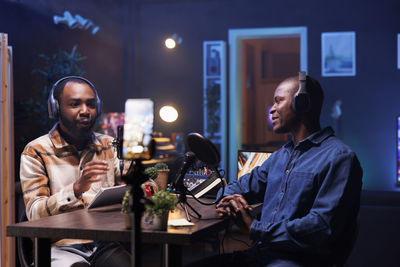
(369, 99)
(31, 32)
(378, 233)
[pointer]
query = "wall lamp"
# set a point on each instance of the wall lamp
(172, 41)
(168, 114)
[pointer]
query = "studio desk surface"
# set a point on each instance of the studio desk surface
(107, 224)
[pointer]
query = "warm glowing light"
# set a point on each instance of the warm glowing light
(168, 113)
(170, 43)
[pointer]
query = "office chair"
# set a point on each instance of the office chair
(348, 246)
(25, 247)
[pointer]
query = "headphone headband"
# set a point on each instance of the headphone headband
(53, 105)
(302, 82)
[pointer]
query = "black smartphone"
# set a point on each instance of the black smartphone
(138, 129)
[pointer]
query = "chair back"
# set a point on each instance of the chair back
(348, 246)
(25, 247)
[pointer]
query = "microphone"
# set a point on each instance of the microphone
(120, 138)
(189, 159)
(117, 142)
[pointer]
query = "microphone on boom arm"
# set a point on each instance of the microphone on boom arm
(180, 188)
(188, 161)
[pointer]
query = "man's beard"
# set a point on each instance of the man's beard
(281, 130)
(76, 132)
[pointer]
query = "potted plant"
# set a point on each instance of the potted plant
(151, 172)
(157, 209)
(162, 175)
(125, 209)
(158, 173)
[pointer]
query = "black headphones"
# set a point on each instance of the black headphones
(301, 102)
(52, 103)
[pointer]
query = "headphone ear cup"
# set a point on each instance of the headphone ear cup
(56, 109)
(98, 113)
(301, 103)
(49, 109)
(52, 107)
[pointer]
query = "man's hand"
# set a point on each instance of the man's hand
(91, 174)
(237, 207)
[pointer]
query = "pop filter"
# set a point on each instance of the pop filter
(204, 149)
(206, 152)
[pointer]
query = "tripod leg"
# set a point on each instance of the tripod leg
(186, 212)
(198, 214)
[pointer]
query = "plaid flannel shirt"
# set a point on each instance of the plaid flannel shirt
(49, 168)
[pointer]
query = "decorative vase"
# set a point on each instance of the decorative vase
(155, 222)
(162, 179)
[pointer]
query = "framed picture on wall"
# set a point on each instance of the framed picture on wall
(214, 86)
(338, 54)
(214, 94)
(398, 51)
(213, 52)
(398, 151)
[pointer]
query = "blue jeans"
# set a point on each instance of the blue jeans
(90, 254)
(255, 257)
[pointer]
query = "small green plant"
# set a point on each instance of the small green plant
(125, 201)
(151, 172)
(161, 202)
(161, 166)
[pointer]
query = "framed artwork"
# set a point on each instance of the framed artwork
(214, 86)
(338, 54)
(398, 151)
(213, 52)
(398, 51)
(214, 93)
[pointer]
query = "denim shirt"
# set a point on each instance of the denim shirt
(310, 194)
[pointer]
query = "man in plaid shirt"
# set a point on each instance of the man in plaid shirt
(62, 171)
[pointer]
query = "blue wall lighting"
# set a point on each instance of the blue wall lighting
(398, 152)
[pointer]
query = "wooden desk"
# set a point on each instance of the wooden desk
(106, 224)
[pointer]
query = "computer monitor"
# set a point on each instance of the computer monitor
(248, 160)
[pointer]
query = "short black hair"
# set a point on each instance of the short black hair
(60, 87)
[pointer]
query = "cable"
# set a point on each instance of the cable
(214, 202)
(220, 175)
(242, 241)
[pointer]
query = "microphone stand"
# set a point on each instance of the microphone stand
(181, 190)
(136, 178)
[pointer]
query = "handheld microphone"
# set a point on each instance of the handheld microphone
(189, 159)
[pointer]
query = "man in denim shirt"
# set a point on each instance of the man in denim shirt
(310, 190)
